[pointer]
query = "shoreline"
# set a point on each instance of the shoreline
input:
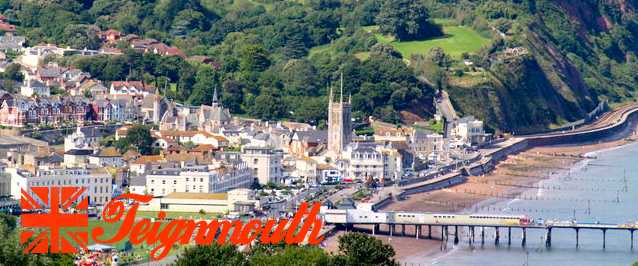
(510, 178)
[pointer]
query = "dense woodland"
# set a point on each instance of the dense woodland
(580, 52)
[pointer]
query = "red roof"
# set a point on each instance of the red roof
(136, 84)
(7, 27)
(174, 51)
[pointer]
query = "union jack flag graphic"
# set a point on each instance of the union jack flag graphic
(47, 235)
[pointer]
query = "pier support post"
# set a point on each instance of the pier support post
(482, 236)
(374, 226)
(577, 240)
(391, 229)
(524, 241)
(442, 235)
(456, 235)
(416, 228)
(548, 238)
(509, 236)
(604, 238)
(471, 235)
(403, 230)
(429, 231)
(497, 237)
(632, 239)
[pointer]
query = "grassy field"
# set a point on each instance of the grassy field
(457, 40)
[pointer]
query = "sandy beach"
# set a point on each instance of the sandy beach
(511, 177)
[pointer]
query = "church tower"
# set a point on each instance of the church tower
(339, 123)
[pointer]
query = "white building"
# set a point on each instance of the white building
(32, 87)
(265, 162)
(132, 88)
(240, 200)
(469, 130)
(426, 144)
(83, 138)
(97, 182)
(361, 160)
(199, 179)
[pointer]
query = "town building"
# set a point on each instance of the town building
(20, 111)
(84, 138)
(240, 201)
(212, 118)
(265, 162)
(107, 157)
(469, 131)
(362, 160)
(10, 42)
(96, 181)
(33, 87)
(200, 179)
(131, 88)
(307, 143)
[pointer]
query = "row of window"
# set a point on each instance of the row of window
(78, 181)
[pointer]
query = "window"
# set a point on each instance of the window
(163, 206)
(163, 182)
(174, 182)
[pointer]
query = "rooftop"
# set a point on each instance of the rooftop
(204, 196)
(15, 140)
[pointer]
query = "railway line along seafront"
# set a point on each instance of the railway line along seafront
(612, 123)
(612, 126)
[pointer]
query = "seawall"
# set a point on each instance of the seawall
(490, 159)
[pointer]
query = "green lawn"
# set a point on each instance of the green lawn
(457, 40)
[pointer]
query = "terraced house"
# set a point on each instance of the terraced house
(19, 111)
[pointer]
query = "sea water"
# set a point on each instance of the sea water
(602, 190)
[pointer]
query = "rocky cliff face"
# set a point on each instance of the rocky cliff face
(577, 53)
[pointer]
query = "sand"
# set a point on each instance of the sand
(510, 178)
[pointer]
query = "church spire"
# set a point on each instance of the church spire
(215, 96)
(341, 95)
(330, 92)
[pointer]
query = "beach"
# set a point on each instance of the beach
(507, 181)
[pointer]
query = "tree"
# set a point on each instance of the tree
(81, 36)
(406, 20)
(361, 249)
(11, 251)
(293, 255)
(138, 137)
(13, 72)
(268, 106)
(384, 49)
(204, 87)
(253, 58)
(211, 255)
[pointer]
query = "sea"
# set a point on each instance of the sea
(599, 190)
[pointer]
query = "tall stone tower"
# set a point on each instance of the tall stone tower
(339, 123)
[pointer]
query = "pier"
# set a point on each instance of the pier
(424, 231)
(450, 224)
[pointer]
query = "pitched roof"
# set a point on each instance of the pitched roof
(144, 159)
(109, 152)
